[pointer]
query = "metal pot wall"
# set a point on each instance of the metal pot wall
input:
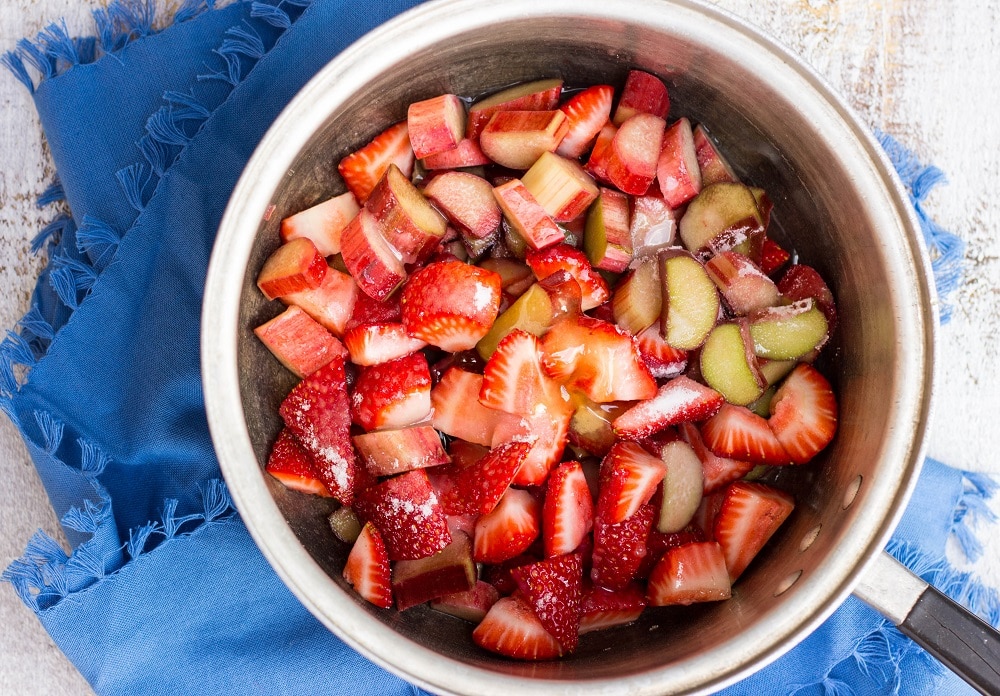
(838, 204)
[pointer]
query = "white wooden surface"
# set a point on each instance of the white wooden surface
(923, 70)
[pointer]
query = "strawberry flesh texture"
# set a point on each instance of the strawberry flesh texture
(553, 588)
(510, 628)
(602, 608)
(736, 432)
(804, 413)
(568, 510)
(363, 168)
(323, 223)
(367, 568)
(690, 573)
(291, 464)
(456, 409)
(407, 513)
(331, 303)
(392, 394)
(631, 476)
(476, 489)
(546, 430)
(586, 113)
(562, 257)
(717, 471)
(749, 514)
(513, 379)
(509, 529)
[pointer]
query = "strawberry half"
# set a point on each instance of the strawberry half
(509, 529)
(510, 628)
(546, 430)
(392, 394)
(737, 432)
(804, 413)
(407, 513)
(562, 257)
(367, 568)
(772, 256)
(568, 510)
(317, 411)
(601, 608)
(690, 573)
(749, 514)
(451, 304)
(679, 400)
(513, 379)
(620, 548)
(371, 344)
(456, 410)
(586, 113)
(663, 360)
(629, 479)
(362, 169)
(291, 464)
(476, 489)
(717, 471)
(553, 588)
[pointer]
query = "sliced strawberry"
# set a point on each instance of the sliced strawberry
(513, 379)
(546, 431)
(299, 342)
(586, 113)
(663, 360)
(738, 433)
(511, 628)
(568, 510)
(620, 548)
(456, 410)
(643, 93)
(630, 478)
(476, 489)
(750, 513)
(391, 452)
(563, 257)
(392, 394)
(362, 169)
(772, 256)
(331, 303)
(317, 411)
(372, 344)
(718, 471)
(804, 413)
(597, 358)
(368, 311)
(511, 527)
(658, 543)
(690, 573)
(553, 588)
(322, 223)
(293, 466)
(407, 513)
(601, 608)
(679, 400)
(800, 282)
(367, 568)
(451, 304)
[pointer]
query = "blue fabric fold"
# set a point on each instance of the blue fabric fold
(149, 132)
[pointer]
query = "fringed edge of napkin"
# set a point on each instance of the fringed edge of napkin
(45, 574)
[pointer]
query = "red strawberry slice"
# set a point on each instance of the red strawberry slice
(553, 588)
(688, 574)
(804, 413)
(601, 608)
(456, 410)
(772, 256)
(586, 113)
(476, 489)
(367, 568)
(317, 411)
(372, 344)
(393, 394)
(630, 476)
(800, 282)
(322, 223)
(620, 548)
(511, 527)
(293, 466)
(362, 169)
(332, 303)
(679, 400)
(407, 513)
(663, 360)
(658, 543)
(511, 628)
(513, 379)
(451, 304)
(568, 510)
(737, 432)
(562, 257)
(717, 471)
(749, 514)
(546, 430)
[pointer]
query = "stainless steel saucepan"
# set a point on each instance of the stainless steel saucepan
(837, 202)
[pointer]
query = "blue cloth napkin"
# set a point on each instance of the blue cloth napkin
(163, 590)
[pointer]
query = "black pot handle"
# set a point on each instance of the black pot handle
(962, 641)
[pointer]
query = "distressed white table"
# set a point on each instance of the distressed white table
(922, 70)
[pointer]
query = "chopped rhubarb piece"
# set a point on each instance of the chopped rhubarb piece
(299, 342)
(393, 394)
(451, 304)
(788, 332)
(512, 629)
(532, 312)
(689, 300)
(663, 360)
(476, 489)
(601, 608)
(546, 430)
(723, 216)
(466, 154)
(322, 223)
(607, 238)
(642, 93)
(653, 226)
(568, 510)
(513, 379)
(406, 511)
(317, 411)
(631, 476)
(367, 568)
(371, 344)
(620, 548)
(683, 484)
(409, 223)
(435, 125)
(586, 113)
(749, 514)
(515, 139)
(690, 573)
(450, 570)
(541, 95)
(772, 257)
(679, 400)
(467, 201)
(294, 266)
(560, 186)
(391, 452)
(553, 588)
(677, 169)
(593, 288)
(509, 529)
(515, 276)
(374, 264)
(716, 471)
(291, 464)
(456, 410)
(344, 524)
(637, 302)
(804, 413)
(471, 605)
(362, 169)
(738, 433)
(634, 152)
(590, 427)
(526, 216)
(597, 163)
(744, 286)
(727, 363)
(801, 282)
(331, 304)
(714, 168)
